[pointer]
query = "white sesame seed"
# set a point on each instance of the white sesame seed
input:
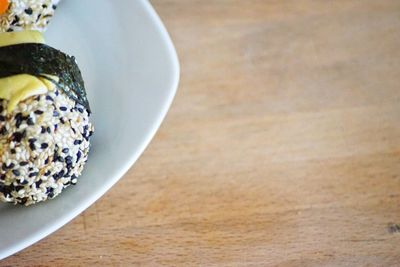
(47, 164)
(27, 20)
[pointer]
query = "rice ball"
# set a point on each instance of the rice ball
(26, 14)
(44, 144)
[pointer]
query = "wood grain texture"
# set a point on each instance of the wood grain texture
(282, 147)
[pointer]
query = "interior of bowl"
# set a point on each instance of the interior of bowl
(131, 74)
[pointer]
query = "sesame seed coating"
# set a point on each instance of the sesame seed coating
(43, 147)
(28, 15)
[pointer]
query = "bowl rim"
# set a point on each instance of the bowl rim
(173, 86)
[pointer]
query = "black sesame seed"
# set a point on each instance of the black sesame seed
(18, 187)
(48, 129)
(68, 160)
(16, 172)
(12, 165)
(78, 156)
(63, 108)
(55, 127)
(1, 108)
(23, 200)
(18, 116)
(62, 120)
(33, 174)
(13, 151)
(65, 150)
(29, 11)
(3, 130)
(24, 182)
(50, 192)
(18, 123)
(32, 140)
(6, 190)
(38, 112)
(44, 145)
(2, 118)
(38, 17)
(55, 114)
(49, 98)
(77, 142)
(10, 30)
(30, 169)
(46, 161)
(4, 167)
(80, 110)
(38, 183)
(60, 159)
(29, 121)
(2, 177)
(17, 136)
(44, 6)
(15, 21)
(32, 146)
(23, 163)
(47, 173)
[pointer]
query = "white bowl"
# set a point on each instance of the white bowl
(131, 72)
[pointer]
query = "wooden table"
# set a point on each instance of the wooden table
(281, 148)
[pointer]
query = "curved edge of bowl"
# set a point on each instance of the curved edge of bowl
(173, 86)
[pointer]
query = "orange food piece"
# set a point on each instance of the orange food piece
(4, 4)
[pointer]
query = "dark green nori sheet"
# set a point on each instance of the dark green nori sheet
(39, 60)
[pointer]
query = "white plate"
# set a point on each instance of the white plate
(131, 72)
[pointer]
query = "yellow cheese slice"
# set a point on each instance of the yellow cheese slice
(19, 87)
